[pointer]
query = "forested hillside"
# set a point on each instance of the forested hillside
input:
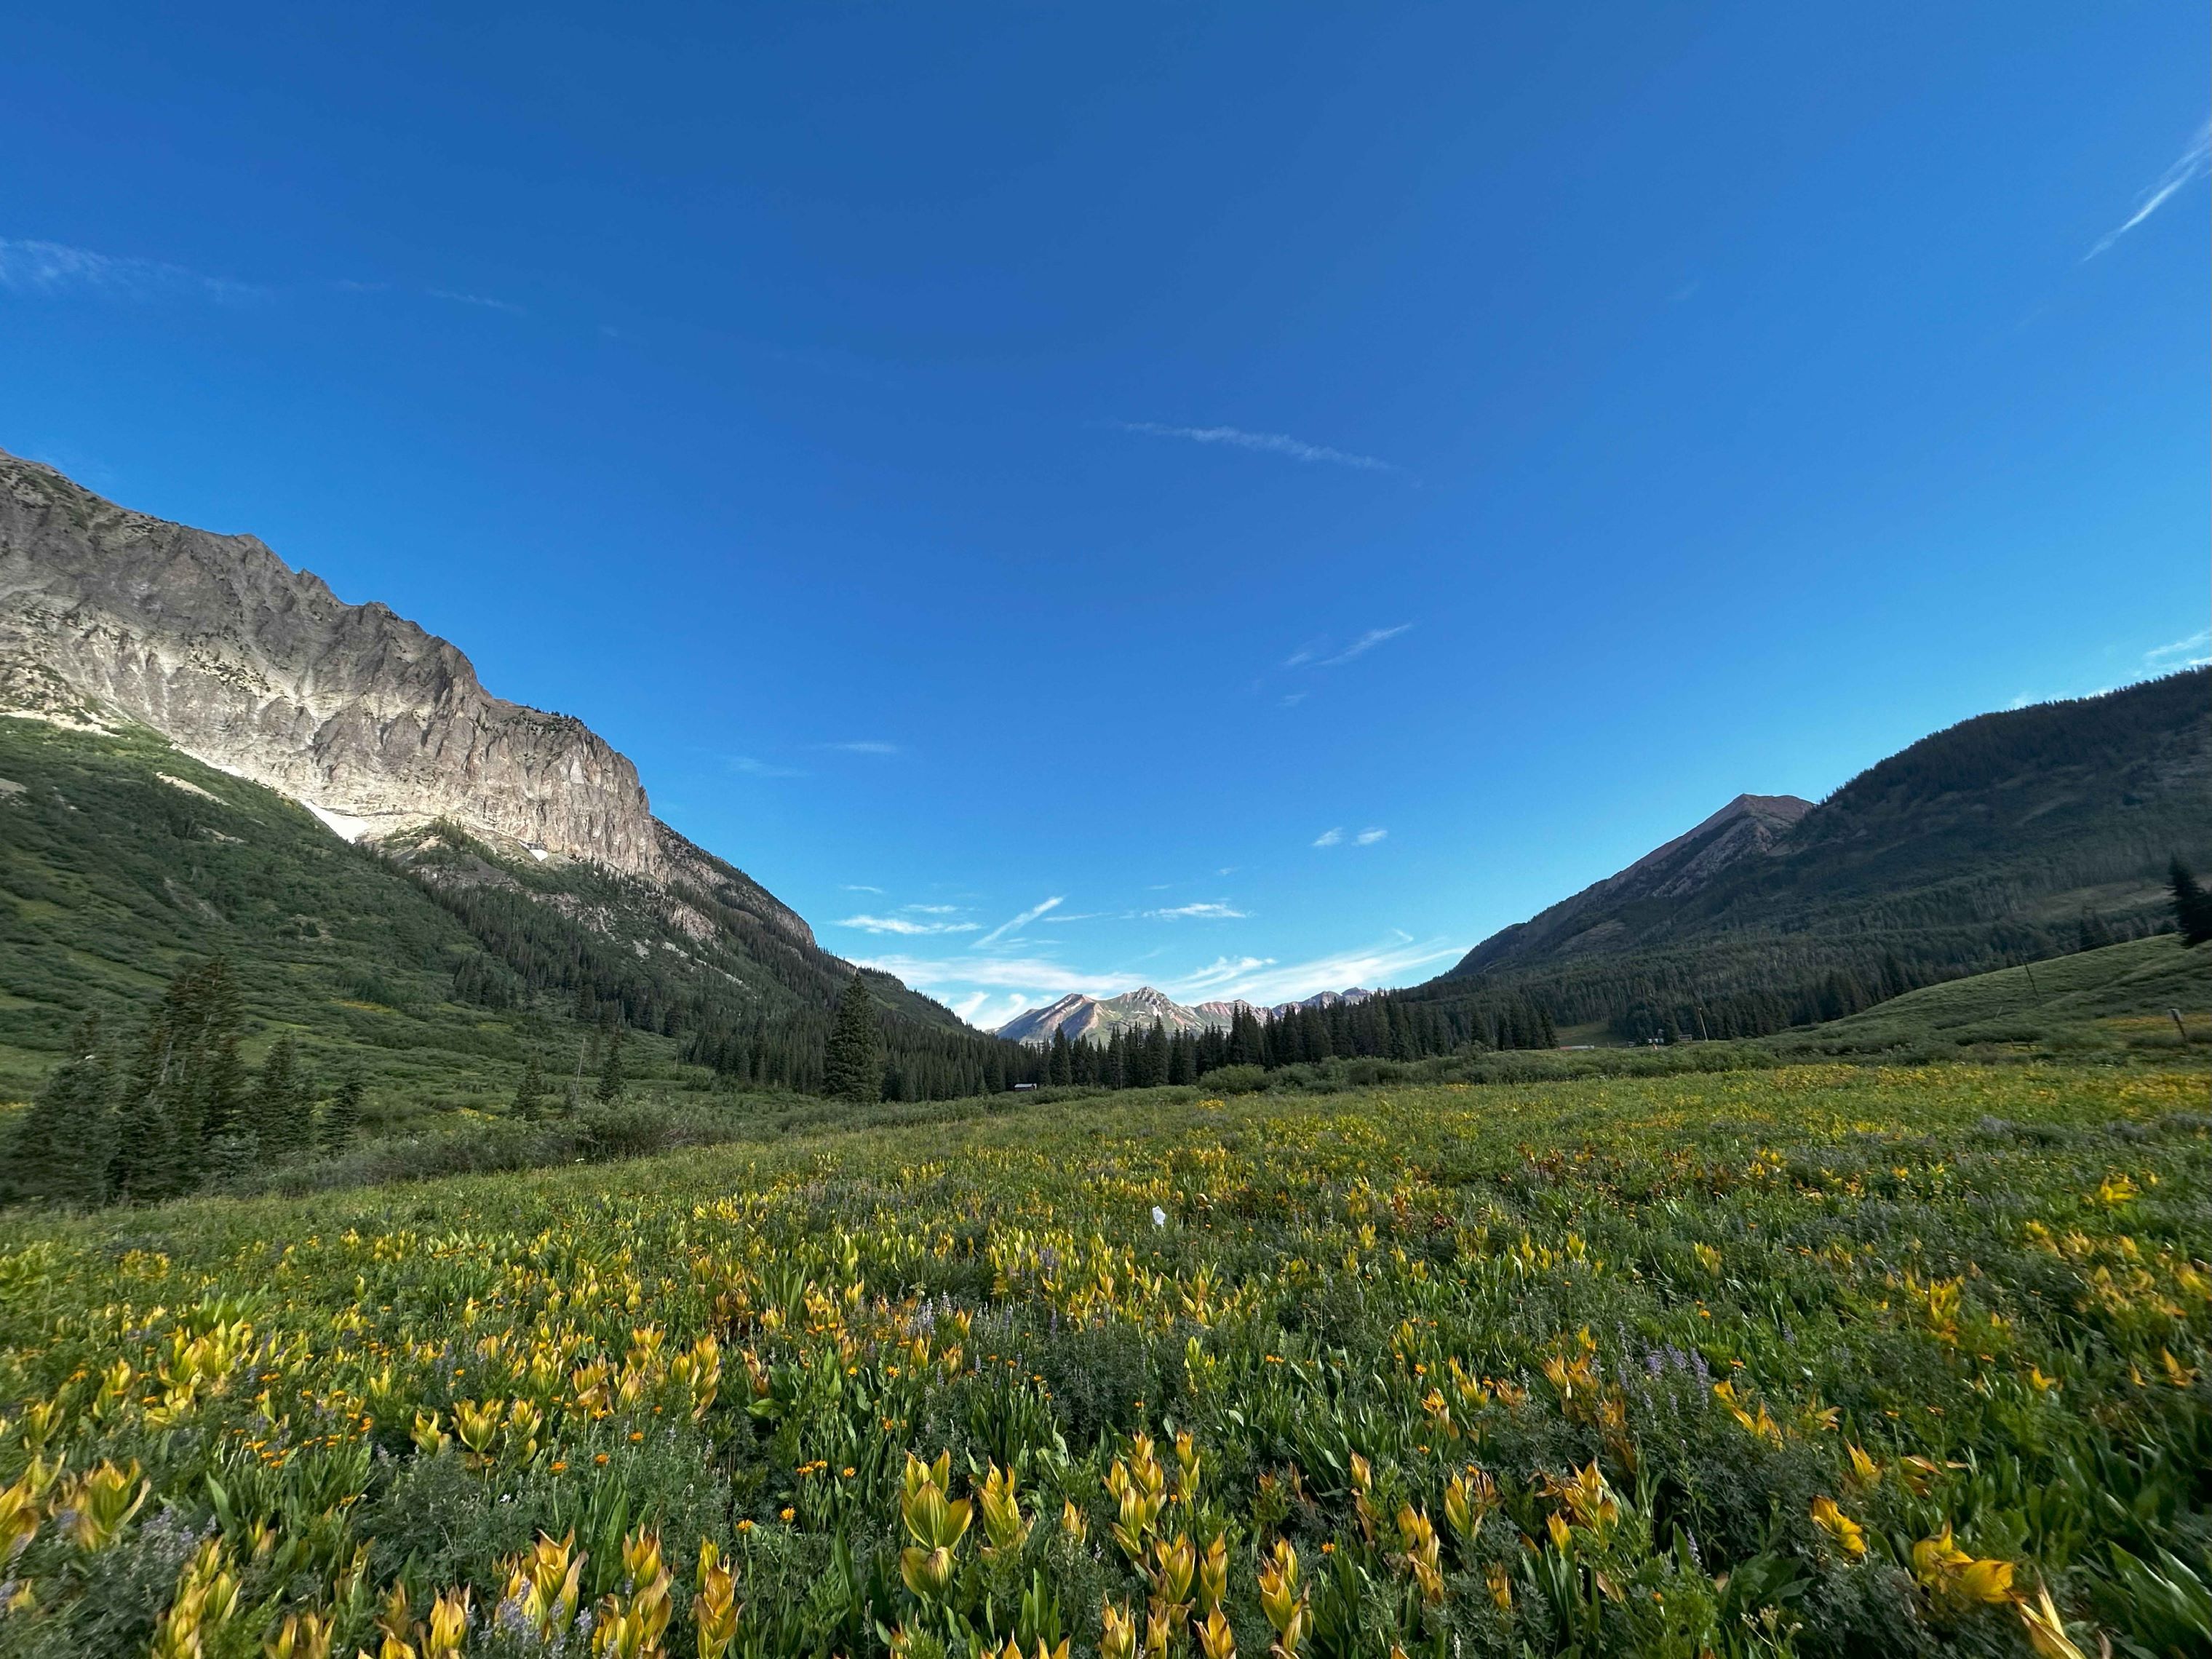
(433, 968)
(2004, 839)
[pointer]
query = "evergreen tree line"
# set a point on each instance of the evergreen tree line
(817, 1054)
(1948, 859)
(531, 948)
(766, 1027)
(1387, 1027)
(176, 1109)
(2042, 740)
(790, 1051)
(1756, 987)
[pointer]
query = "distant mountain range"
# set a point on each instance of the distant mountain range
(2005, 838)
(1096, 1019)
(207, 753)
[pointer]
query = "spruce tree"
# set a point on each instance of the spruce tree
(279, 1120)
(1182, 1054)
(342, 1122)
(1060, 1067)
(186, 1087)
(574, 1098)
(66, 1143)
(1401, 1035)
(852, 1063)
(2192, 906)
(530, 1093)
(611, 1083)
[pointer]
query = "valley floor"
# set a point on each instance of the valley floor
(1819, 1360)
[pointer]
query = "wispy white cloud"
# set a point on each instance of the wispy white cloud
(1269, 443)
(1369, 837)
(905, 924)
(860, 887)
(1010, 1007)
(2194, 163)
(1021, 921)
(2192, 652)
(1324, 653)
(1389, 962)
(1211, 911)
(933, 910)
(760, 768)
(863, 746)
(479, 300)
(1032, 976)
(1364, 644)
(53, 268)
(1328, 838)
(1199, 987)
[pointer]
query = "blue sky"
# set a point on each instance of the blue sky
(1246, 498)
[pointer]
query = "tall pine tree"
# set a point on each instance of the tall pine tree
(853, 1062)
(66, 1143)
(186, 1087)
(611, 1080)
(279, 1113)
(530, 1093)
(342, 1122)
(2192, 906)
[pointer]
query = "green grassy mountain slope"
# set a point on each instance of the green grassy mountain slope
(433, 964)
(122, 860)
(2005, 839)
(508, 874)
(2117, 996)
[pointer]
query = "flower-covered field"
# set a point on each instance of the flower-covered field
(1820, 1360)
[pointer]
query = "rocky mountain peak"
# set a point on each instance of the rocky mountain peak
(1097, 1017)
(371, 723)
(1749, 826)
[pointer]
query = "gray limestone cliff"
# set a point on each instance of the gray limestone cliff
(241, 662)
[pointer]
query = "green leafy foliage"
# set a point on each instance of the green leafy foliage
(436, 973)
(1825, 1359)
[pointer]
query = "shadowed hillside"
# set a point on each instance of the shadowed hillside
(2004, 839)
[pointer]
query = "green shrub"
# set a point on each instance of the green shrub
(1236, 1080)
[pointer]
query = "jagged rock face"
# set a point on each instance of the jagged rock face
(249, 666)
(1096, 1019)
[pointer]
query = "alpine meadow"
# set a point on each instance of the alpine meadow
(1388, 835)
